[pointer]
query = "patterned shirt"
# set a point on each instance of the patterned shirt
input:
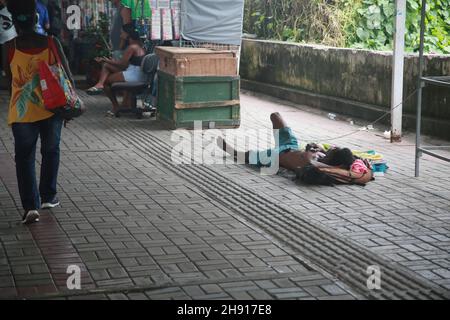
(27, 104)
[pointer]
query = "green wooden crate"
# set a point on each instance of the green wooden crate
(212, 100)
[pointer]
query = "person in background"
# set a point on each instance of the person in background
(135, 13)
(128, 69)
(43, 21)
(127, 22)
(120, 15)
(54, 14)
(119, 38)
(7, 29)
(27, 115)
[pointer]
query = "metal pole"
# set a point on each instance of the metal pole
(397, 71)
(419, 89)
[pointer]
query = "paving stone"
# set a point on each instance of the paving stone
(265, 284)
(141, 224)
(260, 295)
(342, 297)
(333, 289)
(136, 296)
(193, 290)
(117, 296)
(211, 288)
(291, 295)
(316, 291)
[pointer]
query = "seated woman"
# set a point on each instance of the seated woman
(315, 165)
(128, 69)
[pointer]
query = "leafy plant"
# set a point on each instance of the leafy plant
(99, 35)
(294, 20)
(373, 26)
(348, 23)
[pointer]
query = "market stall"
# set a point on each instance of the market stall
(205, 84)
(192, 21)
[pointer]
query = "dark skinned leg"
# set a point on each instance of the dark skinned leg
(107, 70)
(115, 77)
(127, 100)
(230, 150)
(277, 121)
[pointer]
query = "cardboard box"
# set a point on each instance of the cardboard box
(179, 61)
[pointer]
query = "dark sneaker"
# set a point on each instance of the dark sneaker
(52, 204)
(30, 217)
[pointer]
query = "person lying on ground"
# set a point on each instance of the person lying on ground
(128, 69)
(314, 165)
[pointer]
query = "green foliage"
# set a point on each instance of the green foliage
(294, 20)
(99, 35)
(373, 25)
(348, 23)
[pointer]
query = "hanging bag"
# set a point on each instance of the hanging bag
(57, 91)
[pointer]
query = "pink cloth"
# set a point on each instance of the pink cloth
(359, 167)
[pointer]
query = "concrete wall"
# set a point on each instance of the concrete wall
(351, 82)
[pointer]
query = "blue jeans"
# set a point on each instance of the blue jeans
(25, 138)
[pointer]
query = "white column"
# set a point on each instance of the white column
(397, 71)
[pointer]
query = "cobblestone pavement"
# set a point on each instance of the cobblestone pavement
(141, 227)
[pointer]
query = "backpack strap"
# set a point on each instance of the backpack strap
(11, 51)
(53, 49)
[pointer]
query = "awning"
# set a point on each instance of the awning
(212, 21)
